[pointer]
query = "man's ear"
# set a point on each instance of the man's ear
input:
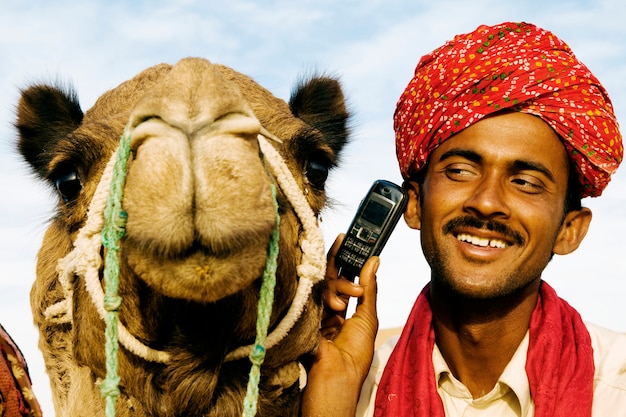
(413, 211)
(573, 231)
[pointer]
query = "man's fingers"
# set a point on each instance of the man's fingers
(365, 314)
(360, 330)
(367, 281)
(332, 252)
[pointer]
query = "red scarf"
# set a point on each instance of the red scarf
(559, 363)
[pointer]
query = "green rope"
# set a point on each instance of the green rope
(266, 299)
(113, 230)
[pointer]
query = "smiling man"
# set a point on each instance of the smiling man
(500, 134)
(490, 216)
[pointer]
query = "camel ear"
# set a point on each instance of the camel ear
(45, 114)
(413, 211)
(319, 102)
(573, 231)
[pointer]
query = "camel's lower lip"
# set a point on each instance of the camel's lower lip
(199, 275)
(218, 244)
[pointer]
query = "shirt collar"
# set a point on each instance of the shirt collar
(514, 377)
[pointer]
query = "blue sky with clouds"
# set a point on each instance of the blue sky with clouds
(372, 44)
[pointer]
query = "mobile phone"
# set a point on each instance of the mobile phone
(375, 219)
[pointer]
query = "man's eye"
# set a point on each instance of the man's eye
(528, 185)
(460, 173)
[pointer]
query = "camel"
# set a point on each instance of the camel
(206, 147)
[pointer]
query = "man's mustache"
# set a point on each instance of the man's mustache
(491, 225)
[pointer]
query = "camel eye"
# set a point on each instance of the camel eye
(316, 172)
(69, 186)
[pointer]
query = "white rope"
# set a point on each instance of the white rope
(85, 260)
(86, 251)
(313, 266)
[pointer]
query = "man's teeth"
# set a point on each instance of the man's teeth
(478, 241)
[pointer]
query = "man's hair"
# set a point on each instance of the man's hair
(573, 195)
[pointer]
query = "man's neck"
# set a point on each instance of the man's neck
(478, 338)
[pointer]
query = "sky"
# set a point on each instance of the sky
(372, 45)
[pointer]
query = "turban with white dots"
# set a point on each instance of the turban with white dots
(515, 66)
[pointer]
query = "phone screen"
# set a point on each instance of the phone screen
(376, 213)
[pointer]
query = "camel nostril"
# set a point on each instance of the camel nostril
(235, 125)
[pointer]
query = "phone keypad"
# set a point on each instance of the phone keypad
(357, 249)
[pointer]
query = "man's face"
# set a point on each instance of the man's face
(491, 210)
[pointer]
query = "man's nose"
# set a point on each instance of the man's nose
(489, 198)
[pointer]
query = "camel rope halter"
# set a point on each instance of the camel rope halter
(105, 226)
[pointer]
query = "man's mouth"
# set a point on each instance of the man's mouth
(495, 234)
(482, 242)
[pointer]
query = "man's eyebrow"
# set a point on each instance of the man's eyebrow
(464, 153)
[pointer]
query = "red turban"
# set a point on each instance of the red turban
(515, 66)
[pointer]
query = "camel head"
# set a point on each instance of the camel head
(207, 148)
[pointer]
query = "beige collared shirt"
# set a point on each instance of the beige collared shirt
(511, 395)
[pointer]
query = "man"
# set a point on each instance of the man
(499, 135)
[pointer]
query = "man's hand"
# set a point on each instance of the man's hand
(346, 347)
